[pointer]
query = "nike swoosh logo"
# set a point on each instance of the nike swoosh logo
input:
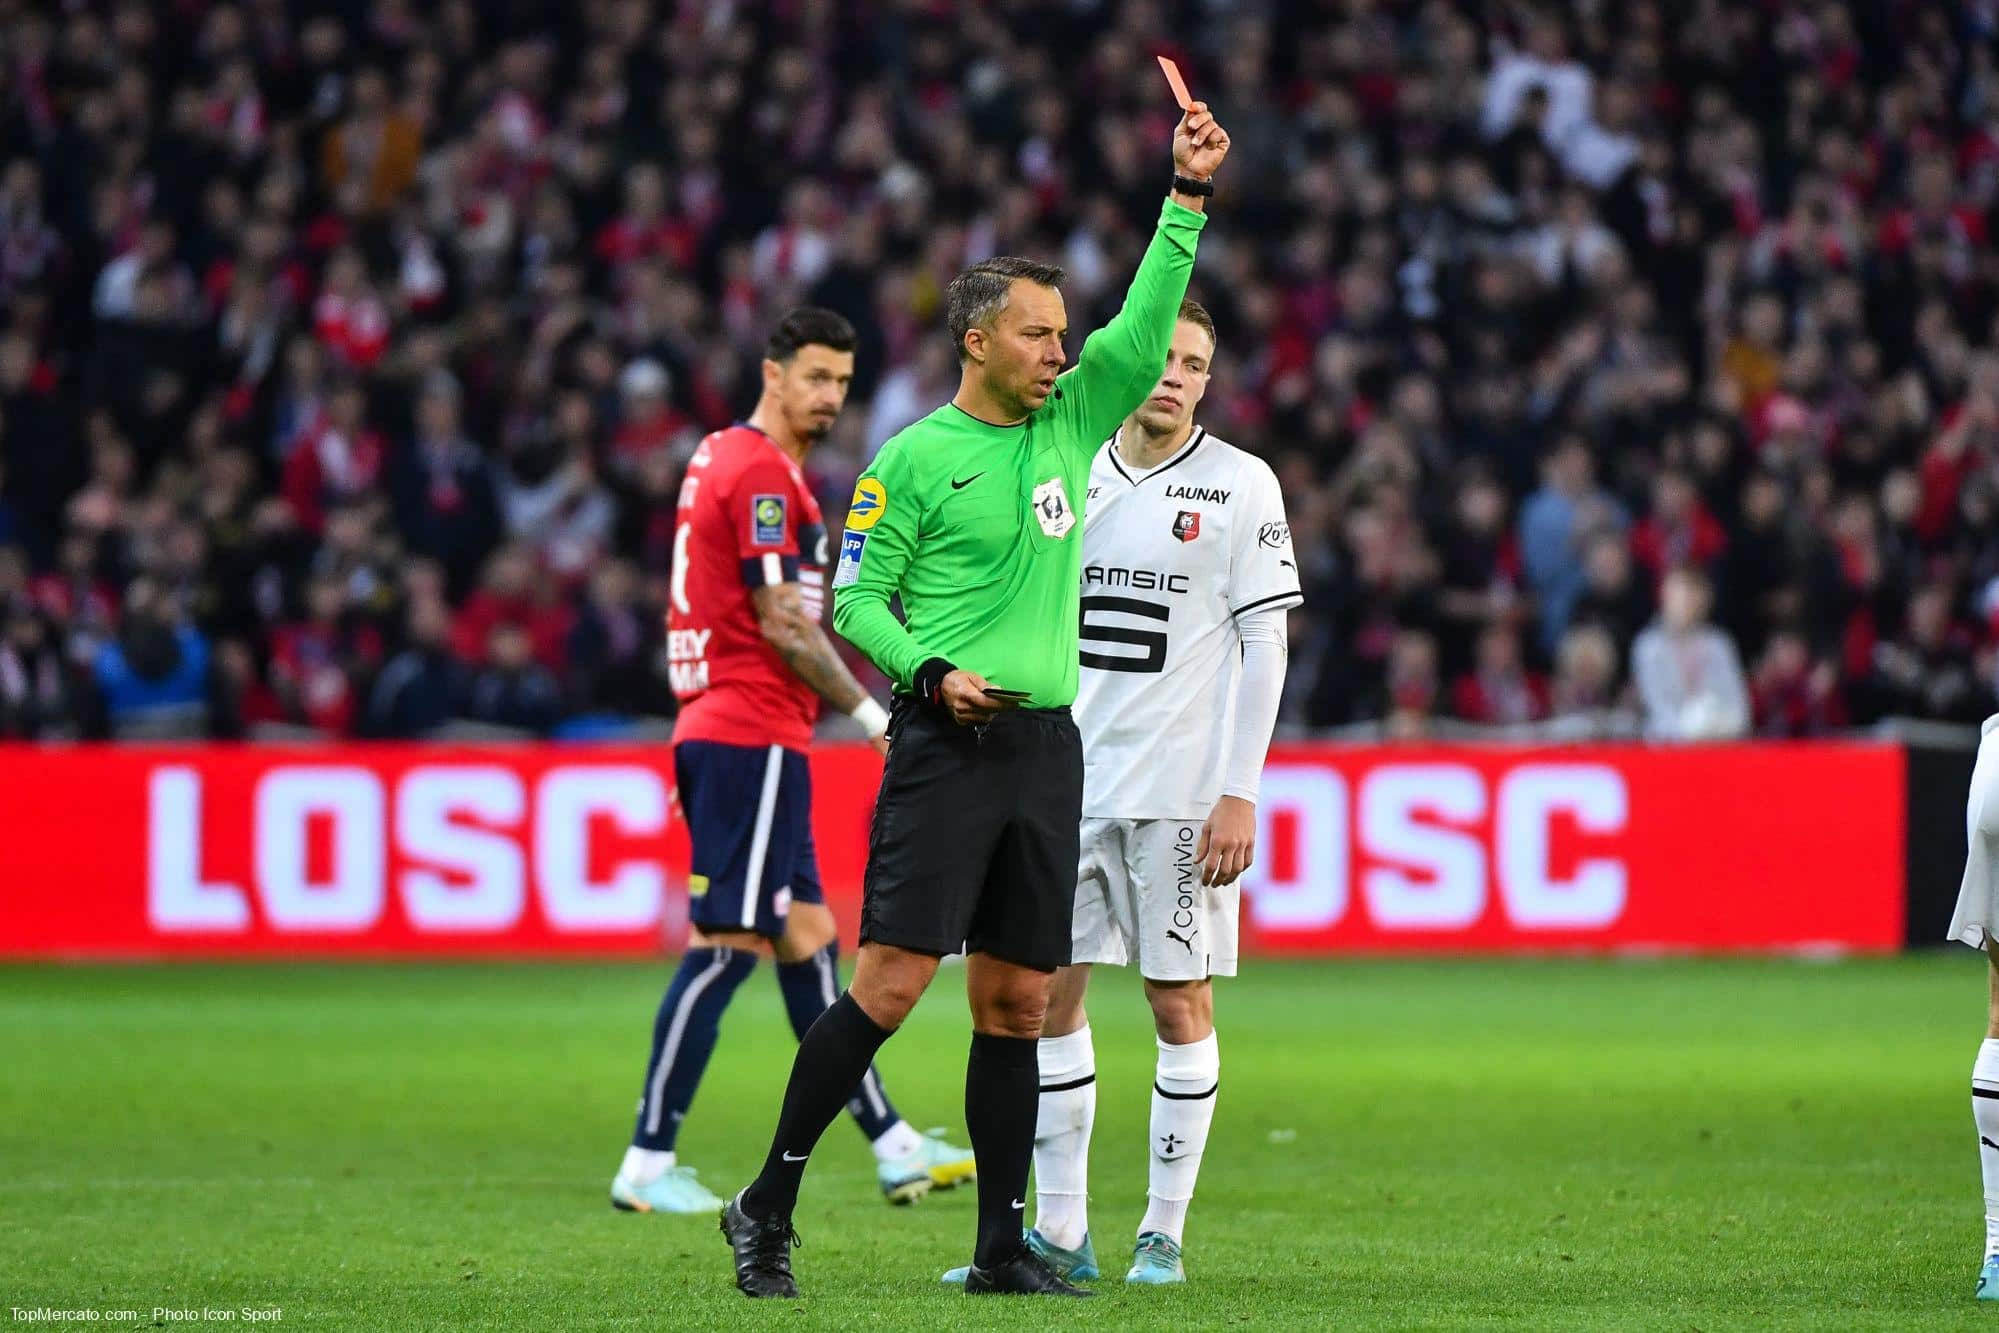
(1287, 564)
(1984, 1142)
(1019, 1204)
(957, 485)
(789, 1158)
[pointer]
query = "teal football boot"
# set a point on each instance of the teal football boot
(677, 1191)
(937, 1165)
(1156, 1261)
(1077, 1265)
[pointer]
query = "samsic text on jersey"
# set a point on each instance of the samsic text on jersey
(746, 520)
(1170, 558)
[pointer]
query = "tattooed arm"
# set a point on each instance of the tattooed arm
(802, 643)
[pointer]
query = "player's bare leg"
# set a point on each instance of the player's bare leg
(1007, 1000)
(1183, 1012)
(1065, 1001)
(908, 1164)
(888, 982)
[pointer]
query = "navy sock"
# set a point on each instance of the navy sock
(810, 987)
(1002, 1096)
(683, 1037)
(830, 1062)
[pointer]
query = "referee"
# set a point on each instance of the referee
(974, 516)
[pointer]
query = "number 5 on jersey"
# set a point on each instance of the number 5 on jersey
(1109, 620)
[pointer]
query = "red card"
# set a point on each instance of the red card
(1178, 84)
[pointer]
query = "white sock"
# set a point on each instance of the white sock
(1183, 1106)
(642, 1166)
(1985, 1114)
(1068, 1112)
(897, 1141)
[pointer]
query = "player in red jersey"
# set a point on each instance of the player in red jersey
(750, 662)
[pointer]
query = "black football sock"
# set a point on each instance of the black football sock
(832, 1056)
(809, 989)
(1002, 1095)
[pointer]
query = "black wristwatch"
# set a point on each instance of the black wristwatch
(1188, 185)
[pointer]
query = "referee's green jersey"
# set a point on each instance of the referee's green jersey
(980, 527)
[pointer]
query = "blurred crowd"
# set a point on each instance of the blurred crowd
(1629, 366)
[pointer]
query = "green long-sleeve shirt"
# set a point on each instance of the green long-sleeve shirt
(980, 527)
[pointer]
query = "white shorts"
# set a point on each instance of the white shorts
(1139, 891)
(1972, 922)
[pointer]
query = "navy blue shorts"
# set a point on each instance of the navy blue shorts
(749, 812)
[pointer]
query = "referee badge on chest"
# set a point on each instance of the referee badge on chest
(1051, 508)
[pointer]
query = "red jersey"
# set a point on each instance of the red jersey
(746, 520)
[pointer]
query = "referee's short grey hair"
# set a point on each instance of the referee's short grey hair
(976, 296)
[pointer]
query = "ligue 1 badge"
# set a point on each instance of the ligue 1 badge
(766, 519)
(1187, 524)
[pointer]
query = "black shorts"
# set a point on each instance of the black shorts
(975, 838)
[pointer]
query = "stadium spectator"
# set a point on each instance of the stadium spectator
(512, 592)
(40, 696)
(376, 149)
(419, 688)
(1613, 597)
(320, 664)
(1928, 672)
(14, 594)
(1584, 698)
(336, 458)
(153, 675)
(647, 419)
(14, 532)
(1410, 686)
(1687, 672)
(1678, 530)
(512, 690)
(613, 649)
(1556, 523)
(1480, 579)
(1499, 691)
(1792, 695)
(443, 488)
(552, 499)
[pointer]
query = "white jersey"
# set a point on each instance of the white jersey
(1170, 558)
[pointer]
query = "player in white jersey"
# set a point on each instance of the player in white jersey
(1188, 574)
(1974, 923)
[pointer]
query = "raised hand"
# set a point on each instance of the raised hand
(1199, 143)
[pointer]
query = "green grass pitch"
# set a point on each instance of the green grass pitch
(1556, 1144)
